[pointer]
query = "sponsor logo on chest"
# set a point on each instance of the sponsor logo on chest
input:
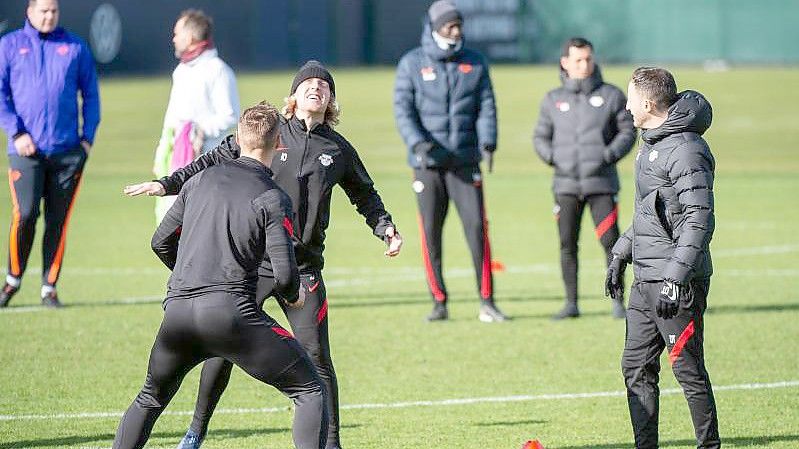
(596, 101)
(428, 74)
(562, 106)
(325, 159)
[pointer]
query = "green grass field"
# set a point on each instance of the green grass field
(66, 375)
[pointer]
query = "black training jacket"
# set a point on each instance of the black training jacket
(583, 130)
(222, 225)
(674, 219)
(307, 166)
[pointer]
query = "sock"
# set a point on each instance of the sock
(47, 289)
(13, 281)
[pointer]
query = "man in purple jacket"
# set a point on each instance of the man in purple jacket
(42, 68)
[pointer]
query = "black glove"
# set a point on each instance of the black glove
(614, 282)
(669, 300)
(488, 156)
(421, 150)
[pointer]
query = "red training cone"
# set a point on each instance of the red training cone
(533, 444)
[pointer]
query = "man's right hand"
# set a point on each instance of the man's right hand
(24, 145)
(614, 282)
(421, 150)
(151, 188)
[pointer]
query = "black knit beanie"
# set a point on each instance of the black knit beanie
(313, 69)
(442, 12)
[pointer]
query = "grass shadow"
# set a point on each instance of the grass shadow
(748, 441)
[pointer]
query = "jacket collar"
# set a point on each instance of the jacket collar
(584, 86)
(250, 162)
(208, 53)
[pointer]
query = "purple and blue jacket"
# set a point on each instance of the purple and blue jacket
(40, 76)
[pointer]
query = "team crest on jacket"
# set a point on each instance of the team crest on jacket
(596, 101)
(562, 106)
(284, 156)
(417, 186)
(653, 155)
(428, 74)
(465, 68)
(326, 159)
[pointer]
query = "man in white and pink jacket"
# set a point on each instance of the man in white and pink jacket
(204, 101)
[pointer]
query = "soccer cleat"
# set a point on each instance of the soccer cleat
(619, 312)
(489, 313)
(51, 300)
(570, 310)
(6, 294)
(190, 441)
(439, 312)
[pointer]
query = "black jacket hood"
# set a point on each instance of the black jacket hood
(690, 113)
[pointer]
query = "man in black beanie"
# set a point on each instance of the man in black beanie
(312, 158)
(445, 112)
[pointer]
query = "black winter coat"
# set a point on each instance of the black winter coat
(583, 130)
(674, 219)
(445, 97)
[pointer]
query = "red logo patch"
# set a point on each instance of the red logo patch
(465, 68)
(426, 70)
(62, 50)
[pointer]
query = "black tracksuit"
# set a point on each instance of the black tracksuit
(669, 239)
(583, 130)
(213, 239)
(307, 166)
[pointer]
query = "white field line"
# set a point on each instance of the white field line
(409, 404)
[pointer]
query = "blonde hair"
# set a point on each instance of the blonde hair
(331, 113)
(259, 127)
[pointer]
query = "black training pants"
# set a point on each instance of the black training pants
(569, 214)
(464, 185)
(235, 328)
(683, 337)
(54, 179)
(310, 326)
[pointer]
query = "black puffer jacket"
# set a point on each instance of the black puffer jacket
(583, 130)
(674, 219)
(307, 167)
(445, 97)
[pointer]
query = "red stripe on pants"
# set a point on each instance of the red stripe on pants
(438, 294)
(320, 316)
(607, 222)
(486, 289)
(684, 337)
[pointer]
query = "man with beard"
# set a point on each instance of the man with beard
(311, 159)
(583, 131)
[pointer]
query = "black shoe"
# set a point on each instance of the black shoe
(51, 300)
(439, 312)
(7, 293)
(570, 310)
(489, 313)
(619, 312)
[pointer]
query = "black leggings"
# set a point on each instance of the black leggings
(569, 214)
(235, 328)
(310, 328)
